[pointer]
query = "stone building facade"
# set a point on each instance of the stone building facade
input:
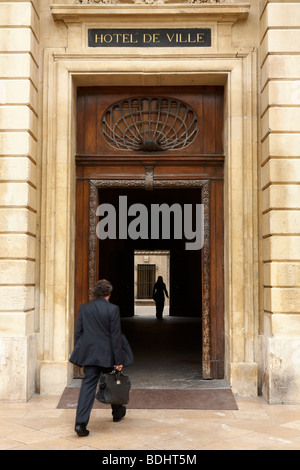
(254, 56)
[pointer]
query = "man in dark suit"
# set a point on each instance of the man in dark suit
(98, 347)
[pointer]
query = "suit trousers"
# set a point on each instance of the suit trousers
(88, 392)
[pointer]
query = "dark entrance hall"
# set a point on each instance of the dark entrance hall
(167, 352)
(196, 276)
(116, 256)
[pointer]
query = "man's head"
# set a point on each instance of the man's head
(103, 288)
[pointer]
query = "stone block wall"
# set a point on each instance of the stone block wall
(280, 178)
(19, 46)
(22, 62)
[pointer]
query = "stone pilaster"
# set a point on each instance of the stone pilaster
(280, 176)
(19, 39)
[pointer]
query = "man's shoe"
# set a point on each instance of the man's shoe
(116, 419)
(81, 430)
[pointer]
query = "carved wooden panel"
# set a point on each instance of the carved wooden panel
(150, 124)
(206, 109)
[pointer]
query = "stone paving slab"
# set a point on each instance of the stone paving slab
(256, 425)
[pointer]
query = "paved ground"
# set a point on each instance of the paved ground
(39, 425)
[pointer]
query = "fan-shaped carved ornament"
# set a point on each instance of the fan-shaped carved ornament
(149, 124)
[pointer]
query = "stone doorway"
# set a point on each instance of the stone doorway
(193, 174)
(234, 75)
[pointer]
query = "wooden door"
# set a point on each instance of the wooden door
(194, 159)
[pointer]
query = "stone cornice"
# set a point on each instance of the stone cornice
(208, 12)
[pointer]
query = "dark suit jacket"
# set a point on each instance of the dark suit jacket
(98, 339)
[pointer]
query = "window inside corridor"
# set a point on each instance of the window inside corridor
(148, 265)
(145, 280)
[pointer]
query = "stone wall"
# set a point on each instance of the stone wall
(19, 46)
(37, 184)
(231, 62)
(280, 177)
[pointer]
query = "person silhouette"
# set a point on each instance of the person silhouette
(98, 348)
(159, 292)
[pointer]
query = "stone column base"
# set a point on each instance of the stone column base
(281, 374)
(54, 377)
(244, 378)
(17, 368)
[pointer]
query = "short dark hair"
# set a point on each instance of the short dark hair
(102, 288)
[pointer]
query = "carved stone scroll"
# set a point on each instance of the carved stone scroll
(95, 2)
(206, 1)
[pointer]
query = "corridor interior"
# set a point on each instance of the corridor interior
(167, 352)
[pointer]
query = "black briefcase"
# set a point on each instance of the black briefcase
(114, 388)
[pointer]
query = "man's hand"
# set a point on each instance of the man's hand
(119, 368)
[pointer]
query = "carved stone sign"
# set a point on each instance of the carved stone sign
(187, 37)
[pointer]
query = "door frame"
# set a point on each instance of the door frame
(211, 366)
(243, 322)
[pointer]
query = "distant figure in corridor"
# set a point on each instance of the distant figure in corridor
(159, 291)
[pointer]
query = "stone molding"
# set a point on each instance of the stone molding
(196, 9)
(148, 2)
